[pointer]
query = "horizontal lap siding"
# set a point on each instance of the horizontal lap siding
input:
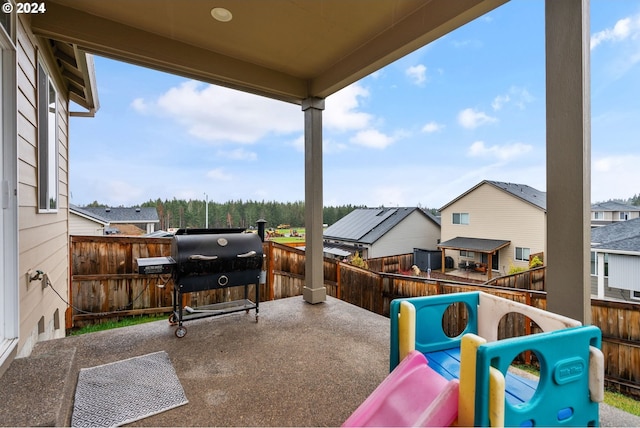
(43, 238)
(82, 226)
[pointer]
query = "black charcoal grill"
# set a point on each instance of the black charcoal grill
(209, 259)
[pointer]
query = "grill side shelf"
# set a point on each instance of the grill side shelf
(155, 265)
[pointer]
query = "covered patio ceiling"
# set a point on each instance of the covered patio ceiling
(285, 49)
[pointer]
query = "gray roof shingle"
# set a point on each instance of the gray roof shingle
(623, 236)
(614, 206)
(520, 191)
(86, 213)
(126, 215)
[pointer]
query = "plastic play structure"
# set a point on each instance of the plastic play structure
(437, 380)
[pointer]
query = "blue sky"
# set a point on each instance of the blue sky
(421, 131)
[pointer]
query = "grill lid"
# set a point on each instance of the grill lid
(201, 253)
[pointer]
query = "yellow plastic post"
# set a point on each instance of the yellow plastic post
(466, 400)
(406, 329)
(497, 387)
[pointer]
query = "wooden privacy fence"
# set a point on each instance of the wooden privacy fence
(104, 284)
(532, 279)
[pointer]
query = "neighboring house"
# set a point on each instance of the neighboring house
(39, 80)
(380, 232)
(86, 223)
(495, 224)
(145, 218)
(615, 260)
(612, 212)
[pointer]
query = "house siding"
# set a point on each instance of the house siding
(79, 225)
(43, 237)
(611, 217)
(412, 232)
(609, 292)
(624, 271)
(496, 214)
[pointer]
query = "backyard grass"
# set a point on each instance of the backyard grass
(123, 322)
(286, 237)
(622, 402)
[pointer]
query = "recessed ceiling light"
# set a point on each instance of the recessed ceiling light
(221, 14)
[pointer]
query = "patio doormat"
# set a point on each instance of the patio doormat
(125, 391)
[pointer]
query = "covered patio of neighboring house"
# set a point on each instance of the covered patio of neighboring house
(468, 248)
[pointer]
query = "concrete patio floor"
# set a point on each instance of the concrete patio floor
(300, 365)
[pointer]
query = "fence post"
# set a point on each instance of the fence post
(271, 274)
(339, 283)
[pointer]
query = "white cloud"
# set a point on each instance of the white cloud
(470, 118)
(516, 95)
(471, 43)
(625, 28)
(341, 109)
(432, 127)
(418, 74)
(218, 174)
(502, 153)
(238, 154)
(372, 138)
(139, 105)
(218, 114)
(623, 40)
(500, 101)
(329, 145)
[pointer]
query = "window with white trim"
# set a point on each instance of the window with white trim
(624, 215)
(522, 254)
(460, 218)
(47, 143)
(465, 253)
(598, 215)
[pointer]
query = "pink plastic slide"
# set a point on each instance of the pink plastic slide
(411, 395)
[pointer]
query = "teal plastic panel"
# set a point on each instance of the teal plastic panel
(562, 395)
(429, 312)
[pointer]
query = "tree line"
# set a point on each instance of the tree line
(634, 200)
(238, 213)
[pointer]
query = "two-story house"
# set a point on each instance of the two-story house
(604, 213)
(495, 225)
